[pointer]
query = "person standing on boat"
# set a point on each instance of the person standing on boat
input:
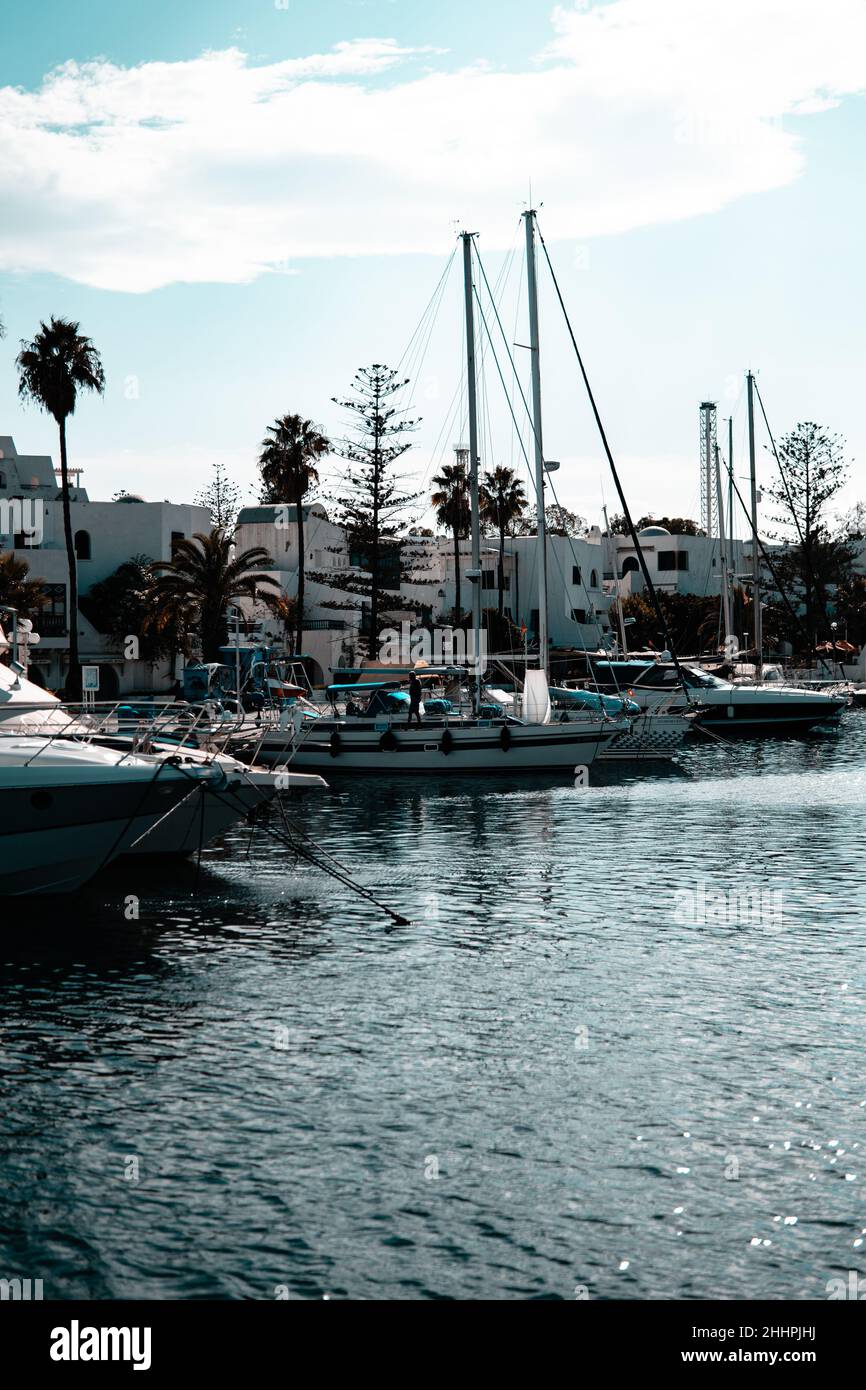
(414, 700)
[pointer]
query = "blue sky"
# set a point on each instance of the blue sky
(242, 203)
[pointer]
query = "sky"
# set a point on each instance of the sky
(243, 201)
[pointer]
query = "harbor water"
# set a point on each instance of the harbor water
(616, 1053)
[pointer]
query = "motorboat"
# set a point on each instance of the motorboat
(719, 705)
(26, 707)
(68, 808)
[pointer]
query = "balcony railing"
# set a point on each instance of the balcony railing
(51, 625)
(324, 625)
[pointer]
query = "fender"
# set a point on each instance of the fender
(388, 742)
(505, 738)
(446, 742)
(335, 744)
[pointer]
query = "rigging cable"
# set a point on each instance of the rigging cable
(623, 503)
(589, 601)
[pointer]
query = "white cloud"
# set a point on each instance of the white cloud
(214, 169)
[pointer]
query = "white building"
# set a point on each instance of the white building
(585, 576)
(106, 535)
(332, 613)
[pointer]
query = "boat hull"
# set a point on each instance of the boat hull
(746, 712)
(746, 719)
(208, 813)
(55, 837)
(335, 746)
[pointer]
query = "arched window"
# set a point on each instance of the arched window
(593, 579)
(629, 564)
(82, 545)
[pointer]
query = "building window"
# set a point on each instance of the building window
(575, 574)
(667, 559)
(2, 480)
(175, 537)
(593, 579)
(683, 560)
(629, 565)
(52, 615)
(533, 620)
(488, 579)
(82, 545)
(578, 615)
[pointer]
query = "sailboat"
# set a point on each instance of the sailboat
(374, 736)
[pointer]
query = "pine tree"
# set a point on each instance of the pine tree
(372, 502)
(222, 497)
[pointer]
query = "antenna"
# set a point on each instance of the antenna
(709, 509)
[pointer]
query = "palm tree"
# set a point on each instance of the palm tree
(287, 462)
(58, 364)
(451, 501)
(502, 502)
(202, 579)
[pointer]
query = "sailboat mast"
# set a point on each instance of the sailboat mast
(731, 543)
(756, 559)
(532, 285)
(472, 400)
(611, 560)
(723, 555)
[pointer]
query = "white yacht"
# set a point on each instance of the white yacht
(68, 808)
(25, 706)
(719, 706)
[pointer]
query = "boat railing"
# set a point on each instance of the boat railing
(175, 723)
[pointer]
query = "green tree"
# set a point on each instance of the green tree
(559, 521)
(692, 619)
(813, 470)
(372, 503)
(17, 591)
(290, 451)
(451, 501)
(122, 605)
(677, 525)
(222, 497)
(503, 503)
(203, 579)
(54, 369)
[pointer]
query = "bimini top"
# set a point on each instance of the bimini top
(368, 686)
(628, 661)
